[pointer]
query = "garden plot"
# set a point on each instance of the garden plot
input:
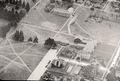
(70, 52)
(41, 18)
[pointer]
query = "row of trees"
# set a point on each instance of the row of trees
(15, 9)
(35, 40)
(49, 43)
(17, 3)
(18, 36)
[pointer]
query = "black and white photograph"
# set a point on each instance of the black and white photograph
(60, 40)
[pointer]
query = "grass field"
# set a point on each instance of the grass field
(14, 72)
(107, 32)
(105, 52)
(65, 38)
(18, 60)
(43, 34)
(39, 17)
(75, 30)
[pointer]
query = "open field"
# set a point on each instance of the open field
(106, 31)
(18, 60)
(43, 34)
(65, 38)
(104, 53)
(75, 30)
(41, 18)
(14, 72)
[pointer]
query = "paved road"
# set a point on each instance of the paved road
(41, 68)
(113, 60)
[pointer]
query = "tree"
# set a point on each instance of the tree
(24, 4)
(78, 41)
(19, 3)
(35, 40)
(82, 79)
(16, 36)
(21, 37)
(6, 1)
(30, 39)
(50, 43)
(52, 1)
(13, 24)
(48, 77)
(27, 7)
(34, 1)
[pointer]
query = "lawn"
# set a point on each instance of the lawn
(21, 47)
(6, 49)
(33, 56)
(64, 38)
(3, 62)
(75, 29)
(14, 71)
(47, 20)
(104, 52)
(42, 34)
(106, 31)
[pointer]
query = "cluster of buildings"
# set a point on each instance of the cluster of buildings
(61, 70)
(73, 64)
(61, 7)
(115, 6)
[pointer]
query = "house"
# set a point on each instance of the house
(84, 55)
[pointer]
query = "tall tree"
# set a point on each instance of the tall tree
(16, 36)
(21, 37)
(34, 1)
(23, 4)
(19, 3)
(50, 43)
(35, 40)
(30, 39)
(27, 7)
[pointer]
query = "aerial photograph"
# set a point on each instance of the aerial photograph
(60, 40)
